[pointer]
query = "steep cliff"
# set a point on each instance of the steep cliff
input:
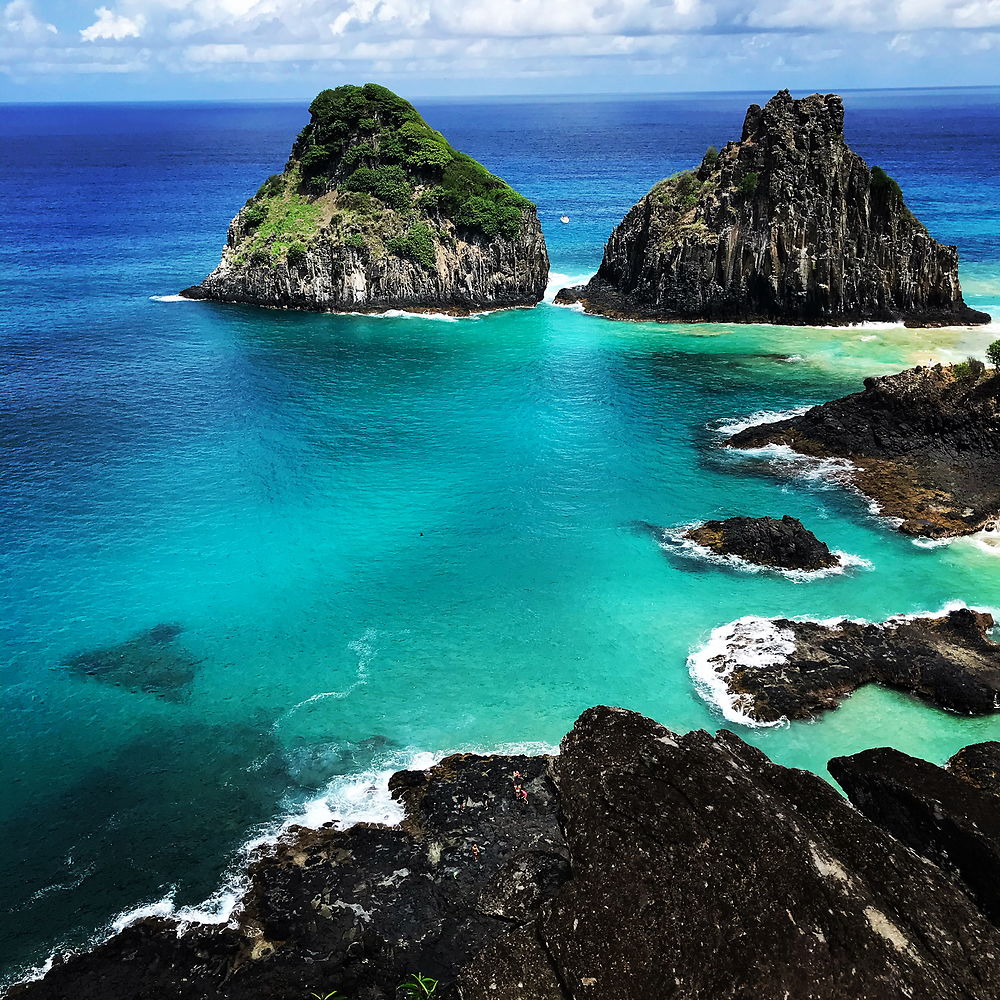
(636, 864)
(375, 210)
(925, 444)
(788, 225)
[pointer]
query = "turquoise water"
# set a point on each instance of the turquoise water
(391, 535)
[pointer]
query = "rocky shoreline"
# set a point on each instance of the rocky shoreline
(636, 862)
(767, 670)
(923, 444)
(782, 543)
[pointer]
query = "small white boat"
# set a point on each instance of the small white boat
(564, 218)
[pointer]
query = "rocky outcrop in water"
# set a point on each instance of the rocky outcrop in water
(925, 444)
(765, 541)
(375, 210)
(637, 863)
(949, 815)
(778, 668)
(788, 225)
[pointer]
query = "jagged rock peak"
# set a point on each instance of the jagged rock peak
(788, 225)
(376, 210)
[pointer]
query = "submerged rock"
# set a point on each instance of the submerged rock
(150, 662)
(788, 225)
(375, 210)
(640, 863)
(925, 445)
(769, 669)
(765, 541)
(949, 815)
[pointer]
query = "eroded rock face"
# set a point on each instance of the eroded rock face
(788, 225)
(641, 864)
(765, 541)
(774, 669)
(949, 815)
(925, 444)
(375, 210)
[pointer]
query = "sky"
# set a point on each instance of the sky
(66, 50)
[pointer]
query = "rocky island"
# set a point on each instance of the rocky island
(375, 210)
(788, 225)
(782, 543)
(637, 863)
(924, 444)
(765, 670)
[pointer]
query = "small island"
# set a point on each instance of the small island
(766, 670)
(375, 210)
(789, 226)
(923, 444)
(779, 543)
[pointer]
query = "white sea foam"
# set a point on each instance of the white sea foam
(558, 281)
(733, 425)
(792, 358)
(982, 541)
(171, 298)
(751, 642)
(674, 541)
(757, 642)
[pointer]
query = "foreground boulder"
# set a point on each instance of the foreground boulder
(375, 210)
(949, 815)
(925, 445)
(788, 225)
(783, 542)
(637, 864)
(765, 670)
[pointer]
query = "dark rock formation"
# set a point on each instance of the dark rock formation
(150, 662)
(766, 541)
(375, 210)
(788, 225)
(925, 445)
(949, 816)
(641, 864)
(778, 668)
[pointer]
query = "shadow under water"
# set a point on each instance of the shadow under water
(149, 662)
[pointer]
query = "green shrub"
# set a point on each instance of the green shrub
(711, 158)
(357, 241)
(387, 182)
(748, 183)
(254, 214)
(297, 254)
(418, 987)
(417, 245)
(993, 354)
(881, 181)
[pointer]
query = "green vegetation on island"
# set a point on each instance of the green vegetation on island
(374, 177)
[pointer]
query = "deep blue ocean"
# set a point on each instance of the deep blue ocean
(387, 538)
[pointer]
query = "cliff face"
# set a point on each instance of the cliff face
(637, 863)
(788, 225)
(375, 210)
(924, 443)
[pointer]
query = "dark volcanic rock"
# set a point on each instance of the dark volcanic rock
(951, 817)
(925, 445)
(788, 225)
(150, 662)
(766, 541)
(375, 210)
(778, 668)
(643, 864)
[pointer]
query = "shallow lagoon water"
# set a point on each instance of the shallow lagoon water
(391, 536)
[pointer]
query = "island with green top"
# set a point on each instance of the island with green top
(376, 210)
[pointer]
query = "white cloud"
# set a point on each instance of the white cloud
(110, 25)
(18, 21)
